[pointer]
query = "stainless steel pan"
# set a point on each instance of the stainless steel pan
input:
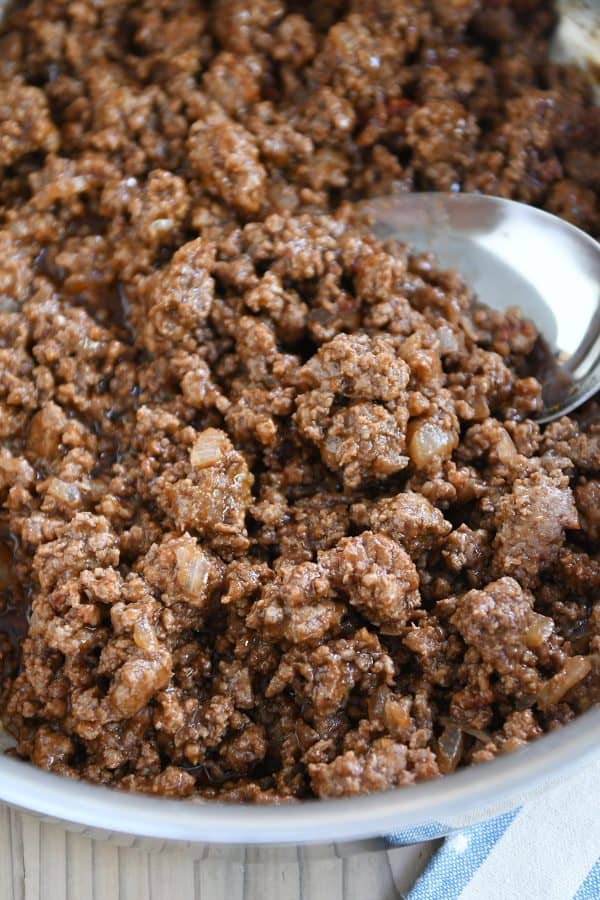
(421, 812)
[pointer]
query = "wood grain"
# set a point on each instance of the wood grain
(44, 862)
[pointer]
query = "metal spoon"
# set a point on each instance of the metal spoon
(514, 255)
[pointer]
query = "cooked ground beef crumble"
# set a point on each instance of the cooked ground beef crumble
(271, 495)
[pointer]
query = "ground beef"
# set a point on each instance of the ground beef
(531, 521)
(275, 519)
(376, 576)
(408, 518)
(225, 157)
(385, 764)
(500, 623)
(25, 123)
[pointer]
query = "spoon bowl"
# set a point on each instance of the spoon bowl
(514, 255)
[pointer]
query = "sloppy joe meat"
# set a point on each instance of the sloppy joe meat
(276, 521)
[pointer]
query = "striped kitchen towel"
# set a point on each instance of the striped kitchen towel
(546, 849)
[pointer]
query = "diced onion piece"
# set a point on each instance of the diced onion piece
(575, 670)
(479, 735)
(428, 442)
(192, 571)
(449, 748)
(78, 184)
(396, 716)
(209, 449)
(65, 491)
(161, 226)
(447, 338)
(377, 702)
(539, 632)
(144, 635)
(505, 448)
(45, 431)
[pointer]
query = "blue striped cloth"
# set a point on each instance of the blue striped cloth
(546, 849)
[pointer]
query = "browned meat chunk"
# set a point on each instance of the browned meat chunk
(363, 440)
(377, 576)
(531, 523)
(367, 437)
(25, 123)
(297, 606)
(386, 764)
(327, 674)
(179, 299)
(408, 518)
(181, 571)
(215, 495)
(357, 367)
(225, 157)
(499, 622)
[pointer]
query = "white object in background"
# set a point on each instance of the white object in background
(548, 849)
(577, 37)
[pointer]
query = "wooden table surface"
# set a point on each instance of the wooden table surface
(43, 862)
